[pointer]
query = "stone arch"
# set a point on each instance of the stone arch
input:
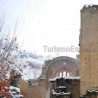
(58, 63)
(49, 70)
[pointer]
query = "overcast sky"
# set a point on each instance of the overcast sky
(51, 23)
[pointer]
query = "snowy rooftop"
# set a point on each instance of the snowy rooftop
(60, 93)
(70, 78)
(91, 91)
(62, 87)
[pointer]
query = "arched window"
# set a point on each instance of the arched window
(64, 74)
(60, 74)
(68, 74)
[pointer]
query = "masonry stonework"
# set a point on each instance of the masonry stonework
(89, 49)
(52, 68)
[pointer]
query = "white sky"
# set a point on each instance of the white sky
(45, 22)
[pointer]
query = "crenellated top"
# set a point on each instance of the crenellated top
(93, 7)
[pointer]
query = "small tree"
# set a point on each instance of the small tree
(8, 56)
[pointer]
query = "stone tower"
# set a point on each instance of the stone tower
(89, 49)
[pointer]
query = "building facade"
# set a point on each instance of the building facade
(65, 66)
(61, 66)
(89, 51)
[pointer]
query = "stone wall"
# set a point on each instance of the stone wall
(24, 88)
(41, 87)
(89, 49)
